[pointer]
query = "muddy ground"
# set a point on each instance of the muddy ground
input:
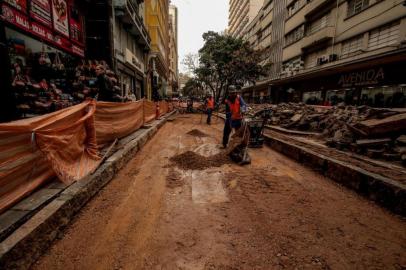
(273, 214)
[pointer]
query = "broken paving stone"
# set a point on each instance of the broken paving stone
(401, 140)
(375, 153)
(296, 117)
(373, 142)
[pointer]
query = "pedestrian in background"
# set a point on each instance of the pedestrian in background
(209, 107)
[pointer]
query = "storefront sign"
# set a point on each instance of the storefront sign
(20, 5)
(60, 16)
(366, 77)
(40, 10)
(42, 32)
(78, 50)
(76, 27)
(14, 17)
(63, 43)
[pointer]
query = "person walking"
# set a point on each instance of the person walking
(104, 85)
(209, 107)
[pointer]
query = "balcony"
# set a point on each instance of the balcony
(314, 6)
(127, 11)
(322, 35)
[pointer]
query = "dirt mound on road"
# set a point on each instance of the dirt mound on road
(192, 161)
(197, 133)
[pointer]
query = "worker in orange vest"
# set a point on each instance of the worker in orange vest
(235, 107)
(209, 107)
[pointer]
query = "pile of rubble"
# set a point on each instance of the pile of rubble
(378, 133)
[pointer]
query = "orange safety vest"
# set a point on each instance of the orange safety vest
(235, 109)
(210, 103)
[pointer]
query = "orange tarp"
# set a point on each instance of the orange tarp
(63, 144)
(117, 120)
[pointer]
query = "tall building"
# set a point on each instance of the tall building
(266, 33)
(131, 45)
(157, 20)
(335, 51)
(173, 84)
(241, 13)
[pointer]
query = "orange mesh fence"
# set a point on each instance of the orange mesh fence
(149, 111)
(34, 150)
(163, 107)
(63, 144)
(117, 120)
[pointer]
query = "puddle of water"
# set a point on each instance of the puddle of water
(207, 149)
(207, 187)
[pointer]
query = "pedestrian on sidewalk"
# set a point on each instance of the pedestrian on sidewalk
(209, 107)
(235, 107)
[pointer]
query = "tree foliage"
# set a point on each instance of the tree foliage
(224, 61)
(193, 88)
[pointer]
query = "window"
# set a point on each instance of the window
(312, 58)
(267, 31)
(318, 24)
(384, 36)
(356, 6)
(268, 8)
(295, 6)
(294, 35)
(351, 46)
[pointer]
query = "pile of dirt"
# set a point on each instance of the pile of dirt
(197, 133)
(192, 161)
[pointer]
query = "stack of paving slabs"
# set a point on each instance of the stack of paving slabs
(377, 133)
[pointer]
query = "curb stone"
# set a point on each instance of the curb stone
(28, 242)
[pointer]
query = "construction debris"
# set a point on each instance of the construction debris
(375, 132)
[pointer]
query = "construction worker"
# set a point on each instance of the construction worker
(209, 107)
(235, 107)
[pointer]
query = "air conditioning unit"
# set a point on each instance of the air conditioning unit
(322, 60)
(332, 57)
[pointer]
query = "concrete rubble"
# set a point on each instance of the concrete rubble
(377, 133)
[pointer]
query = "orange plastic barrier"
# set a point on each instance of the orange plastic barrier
(34, 150)
(149, 111)
(117, 120)
(63, 144)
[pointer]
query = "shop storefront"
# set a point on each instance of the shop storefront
(377, 86)
(46, 44)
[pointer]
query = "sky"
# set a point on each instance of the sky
(196, 17)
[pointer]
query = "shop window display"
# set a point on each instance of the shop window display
(45, 79)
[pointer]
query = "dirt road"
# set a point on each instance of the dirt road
(273, 214)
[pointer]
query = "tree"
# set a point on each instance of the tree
(193, 88)
(191, 62)
(224, 61)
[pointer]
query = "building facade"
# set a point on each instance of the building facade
(131, 44)
(266, 33)
(173, 82)
(341, 51)
(241, 13)
(157, 21)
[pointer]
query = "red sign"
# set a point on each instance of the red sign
(76, 28)
(60, 16)
(20, 5)
(40, 10)
(14, 17)
(42, 32)
(21, 21)
(78, 50)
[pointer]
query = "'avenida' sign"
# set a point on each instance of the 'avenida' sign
(367, 77)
